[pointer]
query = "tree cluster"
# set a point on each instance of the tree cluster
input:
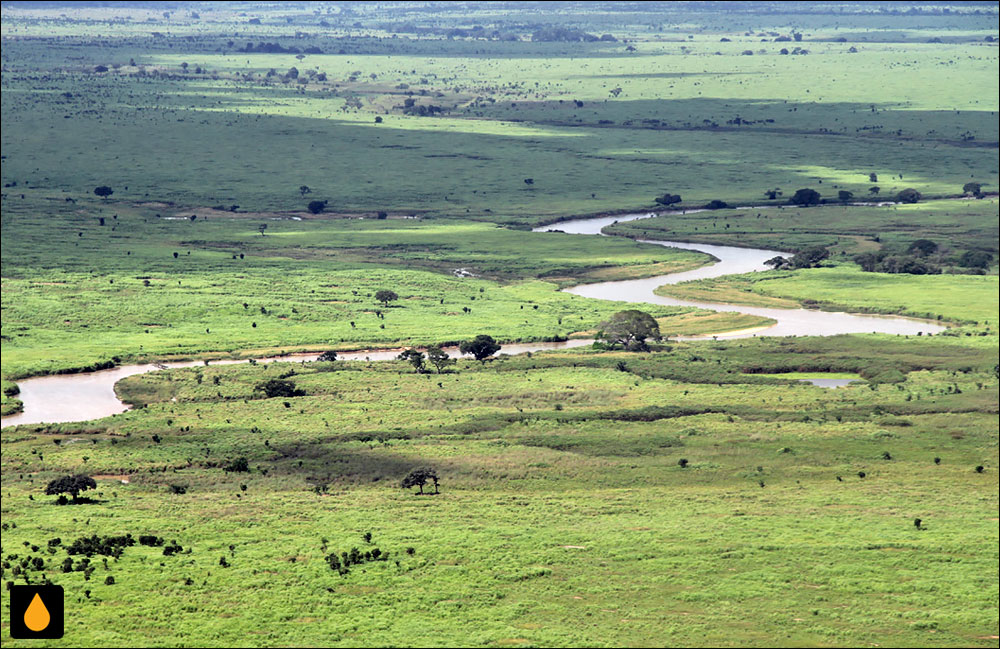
(806, 258)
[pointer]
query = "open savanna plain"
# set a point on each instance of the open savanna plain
(696, 494)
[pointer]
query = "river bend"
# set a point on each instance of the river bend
(91, 395)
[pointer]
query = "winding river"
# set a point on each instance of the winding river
(85, 396)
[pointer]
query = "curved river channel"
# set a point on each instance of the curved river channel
(91, 395)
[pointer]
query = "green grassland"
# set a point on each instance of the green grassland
(966, 299)
(564, 516)
(165, 132)
(151, 284)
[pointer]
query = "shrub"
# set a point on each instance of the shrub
(239, 465)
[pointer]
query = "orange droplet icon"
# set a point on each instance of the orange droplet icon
(36, 616)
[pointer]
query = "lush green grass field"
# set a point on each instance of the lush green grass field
(76, 292)
(965, 299)
(564, 517)
(595, 126)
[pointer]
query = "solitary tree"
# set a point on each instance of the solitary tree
(481, 347)
(874, 190)
(420, 477)
(278, 388)
(304, 189)
(668, 199)
(71, 484)
(386, 296)
(103, 191)
(316, 207)
(439, 358)
(909, 195)
(630, 329)
(845, 195)
(328, 356)
(805, 197)
(973, 189)
(415, 358)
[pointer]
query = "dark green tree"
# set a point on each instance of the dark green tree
(103, 191)
(414, 357)
(923, 247)
(439, 358)
(274, 388)
(975, 259)
(909, 195)
(71, 484)
(481, 347)
(328, 356)
(809, 257)
(778, 263)
(805, 197)
(630, 329)
(973, 189)
(385, 296)
(316, 207)
(420, 477)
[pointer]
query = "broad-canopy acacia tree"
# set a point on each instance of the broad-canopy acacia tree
(385, 296)
(439, 358)
(415, 358)
(630, 329)
(805, 197)
(481, 347)
(420, 477)
(274, 388)
(71, 484)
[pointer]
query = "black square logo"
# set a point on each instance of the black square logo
(36, 612)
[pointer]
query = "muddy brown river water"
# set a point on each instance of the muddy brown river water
(91, 395)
